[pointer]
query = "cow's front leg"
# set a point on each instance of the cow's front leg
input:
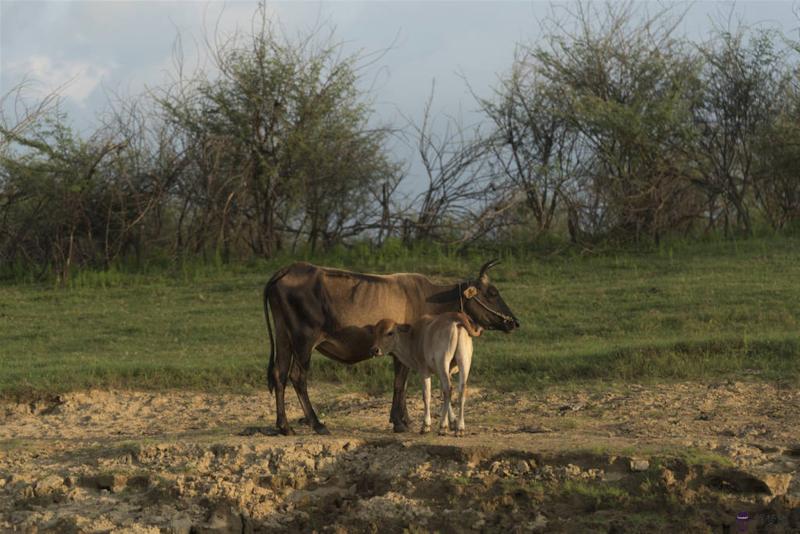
(399, 413)
(426, 401)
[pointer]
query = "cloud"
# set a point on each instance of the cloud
(73, 79)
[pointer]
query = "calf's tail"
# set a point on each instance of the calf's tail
(267, 291)
(466, 322)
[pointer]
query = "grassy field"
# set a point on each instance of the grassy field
(712, 310)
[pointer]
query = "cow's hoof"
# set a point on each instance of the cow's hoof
(286, 431)
(460, 432)
(443, 431)
(425, 429)
(400, 427)
(322, 430)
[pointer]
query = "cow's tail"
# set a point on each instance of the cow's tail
(267, 290)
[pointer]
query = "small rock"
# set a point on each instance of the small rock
(668, 477)
(736, 481)
(778, 483)
(573, 407)
(793, 451)
(572, 470)
(535, 429)
(522, 467)
(113, 483)
(49, 484)
(180, 525)
(540, 523)
(593, 474)
(222, 519)
(638, 465)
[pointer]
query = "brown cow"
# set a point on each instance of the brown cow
(311, 306)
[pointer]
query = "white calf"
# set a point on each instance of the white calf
(434, 344)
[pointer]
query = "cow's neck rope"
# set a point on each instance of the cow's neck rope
(484, 306)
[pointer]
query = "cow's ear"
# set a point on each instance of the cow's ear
(404, 327)
(470, 292)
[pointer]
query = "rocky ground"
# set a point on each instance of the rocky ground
(657, 458)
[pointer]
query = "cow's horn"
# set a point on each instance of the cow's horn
(486, 266)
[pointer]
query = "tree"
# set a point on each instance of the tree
(283, 144)
(776, 162)
(741, 87)
(533, 148)
(627, 87)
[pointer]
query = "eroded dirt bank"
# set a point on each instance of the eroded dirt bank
(634, 459)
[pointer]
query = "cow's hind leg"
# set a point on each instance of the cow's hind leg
(399, 413)
(283, 359)
(299, 377)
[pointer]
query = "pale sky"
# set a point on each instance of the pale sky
(123, 46)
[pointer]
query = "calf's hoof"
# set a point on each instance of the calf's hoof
(425, 429)
(322, 430)
(400, 427)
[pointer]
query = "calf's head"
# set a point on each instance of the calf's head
(388, 337)
(482, 301)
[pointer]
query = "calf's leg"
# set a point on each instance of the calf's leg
(399, 413)
(442, 362)
(451, 416)
(464, 361)
(446, 389)
(426, 401)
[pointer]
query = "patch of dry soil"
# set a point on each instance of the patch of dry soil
(682, 456)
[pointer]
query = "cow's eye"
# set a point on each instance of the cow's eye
(390, 334)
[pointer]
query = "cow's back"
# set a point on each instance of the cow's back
(337, 298)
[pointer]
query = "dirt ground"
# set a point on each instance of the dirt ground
(633, 459)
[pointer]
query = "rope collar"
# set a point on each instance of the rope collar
(503, 316)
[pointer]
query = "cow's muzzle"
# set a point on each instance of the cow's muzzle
(375, 351)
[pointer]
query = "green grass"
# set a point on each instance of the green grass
(684, 311)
